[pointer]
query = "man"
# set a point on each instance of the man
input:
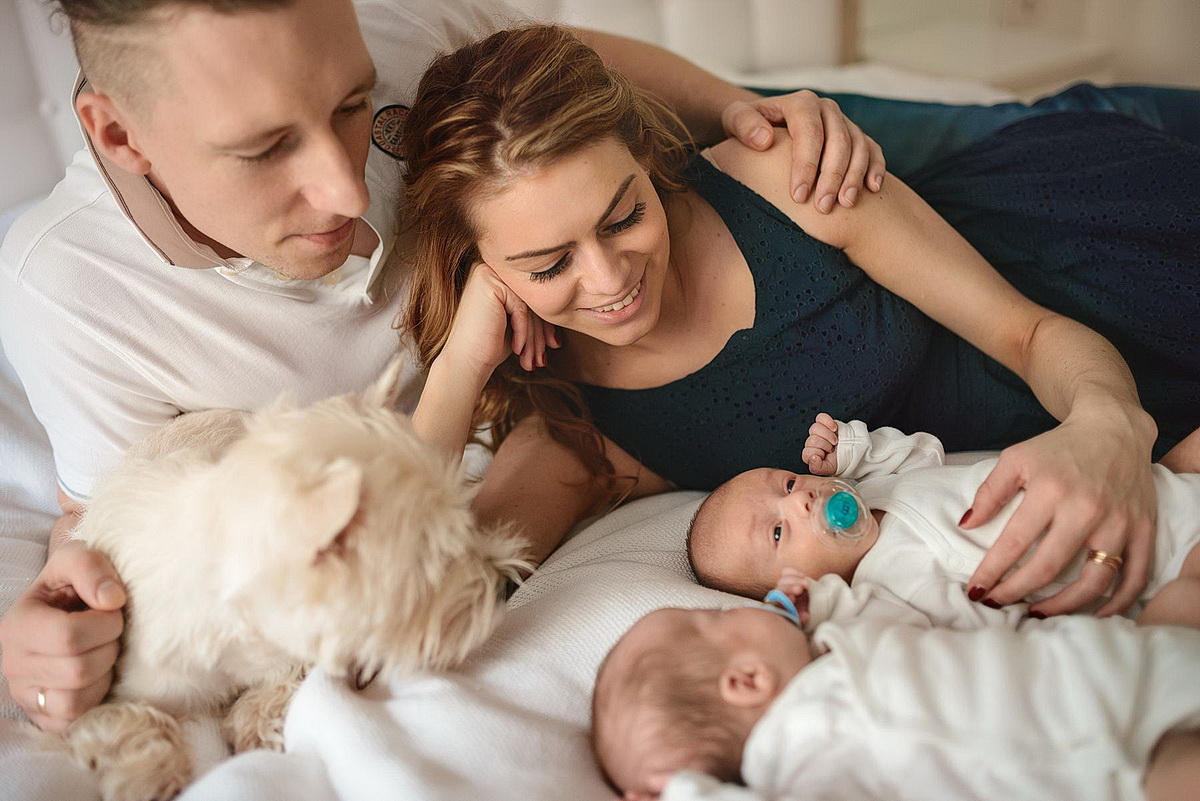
(224, 237)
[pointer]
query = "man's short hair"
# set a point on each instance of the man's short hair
(111, 38)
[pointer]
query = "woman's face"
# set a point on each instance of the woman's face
(583, 242)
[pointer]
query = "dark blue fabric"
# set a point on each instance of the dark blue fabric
(1092, 214)
(914, 134)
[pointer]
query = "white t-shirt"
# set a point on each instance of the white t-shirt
(116, 322)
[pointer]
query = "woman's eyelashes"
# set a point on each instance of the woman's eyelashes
(552, 270)
(624, 224)
(635, 217)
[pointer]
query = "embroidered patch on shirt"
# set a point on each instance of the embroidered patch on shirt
(386, 129)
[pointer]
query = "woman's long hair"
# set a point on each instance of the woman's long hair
(490, 112)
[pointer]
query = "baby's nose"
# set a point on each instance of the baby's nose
(803, 499)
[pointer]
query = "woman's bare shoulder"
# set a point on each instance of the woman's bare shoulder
(764, 171)
(768, 174)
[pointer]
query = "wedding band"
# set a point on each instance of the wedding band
(1105, 558)
(41, 701)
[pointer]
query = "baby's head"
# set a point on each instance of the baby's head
(759, 522)
(682, 690)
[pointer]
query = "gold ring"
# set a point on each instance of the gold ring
(1105, 558)
(41, 701)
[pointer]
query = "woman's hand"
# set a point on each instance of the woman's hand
(478, 342)
(488, 311)
(1087, 486)
(828, 149)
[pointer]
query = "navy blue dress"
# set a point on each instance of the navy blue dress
(1094, 215)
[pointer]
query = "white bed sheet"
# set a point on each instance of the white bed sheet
(513, 723)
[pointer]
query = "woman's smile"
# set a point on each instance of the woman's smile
(628, 304)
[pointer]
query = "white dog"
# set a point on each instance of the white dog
(256, 544)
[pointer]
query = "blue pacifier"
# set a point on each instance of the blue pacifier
(777, 601)
(840, 512)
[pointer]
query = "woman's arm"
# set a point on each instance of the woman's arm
(490, 321)
(543, 489)
(536, 484)
(1087, 482)
(828, 151)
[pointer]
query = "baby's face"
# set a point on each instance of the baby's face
(642, 765)
(760, 522)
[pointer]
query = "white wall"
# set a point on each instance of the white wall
(1028, 45)
(730, 37)
(32, 120)
(1161, 41)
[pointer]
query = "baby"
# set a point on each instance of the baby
(906, 538)
(1086, 708)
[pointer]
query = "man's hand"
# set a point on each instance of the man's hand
(828, 150)
(60, 639)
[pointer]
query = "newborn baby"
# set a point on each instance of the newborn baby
(907, 538)
(1086, 708)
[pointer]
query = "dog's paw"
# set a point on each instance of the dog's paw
(138, 752)
(256, 718)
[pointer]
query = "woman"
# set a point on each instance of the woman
(700, 315)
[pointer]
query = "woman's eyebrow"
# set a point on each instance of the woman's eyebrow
(621, 190)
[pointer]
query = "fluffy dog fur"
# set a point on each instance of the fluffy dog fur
(256, 544)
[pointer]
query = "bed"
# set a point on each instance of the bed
(513, 722)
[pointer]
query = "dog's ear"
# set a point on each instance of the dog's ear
(328, 508)
(386, 388)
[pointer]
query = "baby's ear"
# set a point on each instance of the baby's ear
(747, 681)
(386, 388)
(327, 508)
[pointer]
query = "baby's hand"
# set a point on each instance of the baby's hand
(820, 449)
(794, 585)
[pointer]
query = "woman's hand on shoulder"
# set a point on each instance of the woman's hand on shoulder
(830, 159)
(1088, 487)
(490, 321)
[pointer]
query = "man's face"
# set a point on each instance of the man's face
(258, 136)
